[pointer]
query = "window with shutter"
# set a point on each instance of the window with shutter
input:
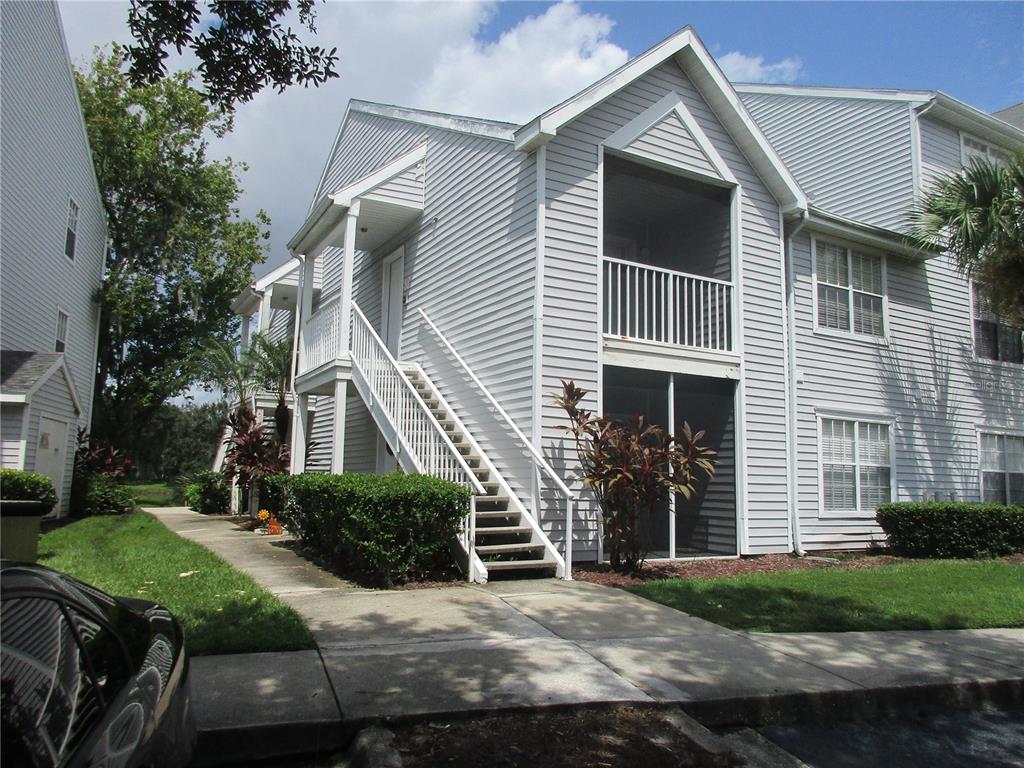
(1002, 468)
(71, 236)
(995, 337)
(856, 465)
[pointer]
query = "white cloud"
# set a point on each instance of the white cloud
(740, 68)
(535, 65)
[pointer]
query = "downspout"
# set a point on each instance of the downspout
(538, 318)
(295, 345)
(792, 388)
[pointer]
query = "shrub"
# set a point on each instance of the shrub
(272, 497)
(390, 527)
(105, 496)
(952, 529)
(208, 493)
(16, 484)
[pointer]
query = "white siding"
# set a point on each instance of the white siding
(670, 142)
(940, 150)
(10, 435)
(44, 161)
(851, 156)
(925, 377)
(468, 263)
(571, 282)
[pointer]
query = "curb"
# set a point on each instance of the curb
(247, 744)
(812, 708)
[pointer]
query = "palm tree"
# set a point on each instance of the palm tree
(273, 369)
(234, 372)
(977, 215)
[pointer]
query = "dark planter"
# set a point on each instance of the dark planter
(19, 528)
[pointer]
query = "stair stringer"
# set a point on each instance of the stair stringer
(515, 503)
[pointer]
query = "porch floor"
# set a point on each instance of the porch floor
(537, 643)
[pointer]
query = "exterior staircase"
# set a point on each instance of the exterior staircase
(505, 541)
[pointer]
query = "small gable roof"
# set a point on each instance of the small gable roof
(691, 55)
(23, 373)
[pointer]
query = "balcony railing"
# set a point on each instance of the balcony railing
(647, 303)
(321, 337)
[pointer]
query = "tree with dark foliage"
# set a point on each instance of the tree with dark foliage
(241, 51)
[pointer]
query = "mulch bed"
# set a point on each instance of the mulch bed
(624, 736)
(721, 569)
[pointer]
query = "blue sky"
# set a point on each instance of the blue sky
(971, 50)
(513, 60)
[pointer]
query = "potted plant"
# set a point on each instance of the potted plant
(24, 498)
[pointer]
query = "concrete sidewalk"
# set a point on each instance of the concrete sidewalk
(547, 642)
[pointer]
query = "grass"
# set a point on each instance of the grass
(926, 594)
(221, 610)
(153, 494)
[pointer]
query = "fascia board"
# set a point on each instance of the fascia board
(346, 195)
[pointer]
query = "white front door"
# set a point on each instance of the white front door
(51, 451)
(392, 300)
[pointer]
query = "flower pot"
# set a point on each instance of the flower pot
(19, 528)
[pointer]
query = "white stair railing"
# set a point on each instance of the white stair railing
(535, 456)
(665, 306)
(321, 337)
(417, 439)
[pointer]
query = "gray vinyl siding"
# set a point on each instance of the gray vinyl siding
(44, 161)
(11, 416)
(360, 436)
(321, 434)
(925, 377)
(852, 157)
(281, 325)
(406, 188)
(670, 142)
(570, 345)
(468, 264)
(53, 400)
(940, 150)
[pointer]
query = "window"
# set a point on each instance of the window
(72, 233)
(851, 289)
(62, 331)
(856, 463)
(1002, 468)
(972, 148)
(994, 337)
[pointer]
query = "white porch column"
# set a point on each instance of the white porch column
(338, 446)
(300, 434)
(246, 322)
(348, 266)
(264, 322)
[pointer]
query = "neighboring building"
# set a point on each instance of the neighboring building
(52, 248)
(681, 248)
(1013, 115)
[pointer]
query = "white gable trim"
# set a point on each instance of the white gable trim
(670, 103)
(689, 53)
(346, 195)
(279, 273)
(58, 365)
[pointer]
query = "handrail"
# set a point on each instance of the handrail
(538, 458)
(381, 349)
(663, 270)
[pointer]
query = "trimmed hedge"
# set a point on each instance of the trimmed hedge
(18, 485)
(952, 529)
(207, 493)
(390, 527)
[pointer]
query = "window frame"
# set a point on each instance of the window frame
(987, 430)
(71, 228)
(857, 417)
(972, 298)
(816, 282)
(990, 149)
(58, 341)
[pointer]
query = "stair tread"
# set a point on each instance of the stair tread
(494, 530)
(493, 549)
(487, 513)
(509, 565)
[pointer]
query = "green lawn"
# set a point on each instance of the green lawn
(927, 594)
(153, 494)
(222, 610)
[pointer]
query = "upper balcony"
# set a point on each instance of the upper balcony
(668, 299)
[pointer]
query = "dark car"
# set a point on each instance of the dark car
(89, 679)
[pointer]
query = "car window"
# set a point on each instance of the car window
(49, 700)
(109, 663)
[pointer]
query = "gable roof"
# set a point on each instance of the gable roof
(940, 105)
(691, 55)
(23, 373)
